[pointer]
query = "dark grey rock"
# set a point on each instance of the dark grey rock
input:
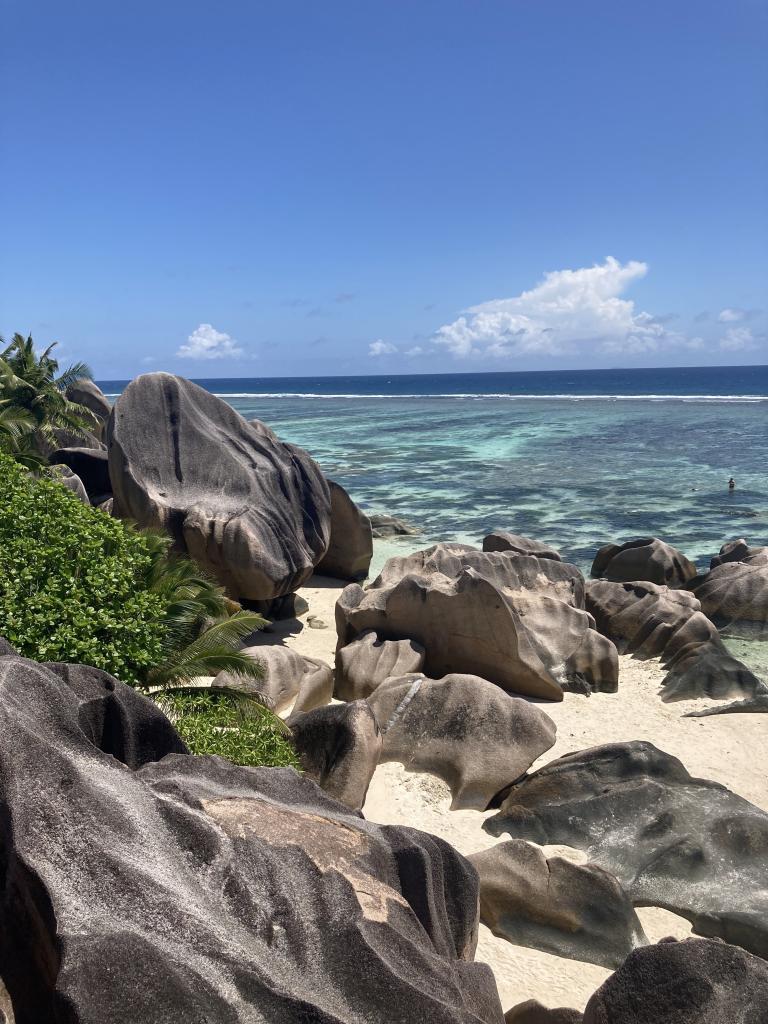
(673, 841)
(384, 526)
(86, 393)
(91, 465)
(734, 595)
(739, 551)
(535, 898)
(193, 890)
(365, 663)
(500, 540)
(656, 622)
(465, 730)
(515, 620)
(252, 510)
(71, 481)
(289, 678)
(339, 748)
(647, 559)
(350, 549)
(696, 981)
(532, 1012)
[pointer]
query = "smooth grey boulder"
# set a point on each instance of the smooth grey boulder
(384, 526)
(289, 679)
(515, 620)
(739, 551)
(463, 729)
(657, 622)
(252, 510)
(537, 898)
(735, 595)
(673, 841)
(339, 747)
(696, 981)
(648, 559)
(71, 481)
(500, 540)
(533, 1012)
(365, 663)
(91, 465)
(350, 549)
(193, 890)
(84, 392)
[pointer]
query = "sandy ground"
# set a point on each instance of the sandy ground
(729, 749)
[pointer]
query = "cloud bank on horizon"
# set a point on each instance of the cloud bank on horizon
(566, 311)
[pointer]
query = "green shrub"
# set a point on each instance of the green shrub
(71, 580)
(209, 723)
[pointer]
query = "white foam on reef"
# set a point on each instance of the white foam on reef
(500, 395)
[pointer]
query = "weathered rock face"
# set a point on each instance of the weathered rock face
(194, 890)
(673, 841)
(252, 510)
(350, 549)
(500, 540)
(739, 551)
(533, 1012)
(288, 677)
(696, 981)
(91, 465)
(515, 620)
(536, 898)
(390, 526)
(463, 729)
(339, 747)
(86, 393)
(647, 559)
(71, 481)
(365, 663)
(657, 622)
(735, 594)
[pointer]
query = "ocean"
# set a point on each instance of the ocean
(574, 458)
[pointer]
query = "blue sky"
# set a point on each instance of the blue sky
(267, 189)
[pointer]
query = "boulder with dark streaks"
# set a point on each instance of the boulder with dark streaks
(365, 663)
(647, 559)
(673, 841)
(91, 465)
(252, 510)
(193, 890)
(500, 540)
(465, 730)
(739, 551)
(350, 548)
(735, 595)
(288, 678)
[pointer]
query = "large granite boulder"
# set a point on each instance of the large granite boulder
(288, 678)
(339, 748)
(649, 621)
(513, 619)
(739, 551)
(533, 1012)
(673, 841)
(252, 510)
(696, 981)
(735, 595)
(465, 730)
(350, 549)
(647, 559)
(91, 465)
(365, 663)
(194, 890)
(84, 392)
(500, 540)
(537, 898)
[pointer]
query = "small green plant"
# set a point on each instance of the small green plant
(214, 722)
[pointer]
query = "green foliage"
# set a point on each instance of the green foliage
(211, 722)
(71, 581)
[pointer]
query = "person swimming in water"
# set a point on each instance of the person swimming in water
(731, 484)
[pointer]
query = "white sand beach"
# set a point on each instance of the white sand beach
(729, 749)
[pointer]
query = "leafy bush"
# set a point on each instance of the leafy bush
(71, 580)
(210, 723)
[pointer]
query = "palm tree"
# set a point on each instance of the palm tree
(17, 436)
(33, 384)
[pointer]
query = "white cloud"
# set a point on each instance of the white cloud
(566, 309)
(381, 348)
(737, 339)
(205, 342)
(731, 316)
(417, 350)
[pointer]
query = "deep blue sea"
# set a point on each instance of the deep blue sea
(575, 458)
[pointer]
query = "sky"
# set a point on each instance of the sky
(404, 186)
